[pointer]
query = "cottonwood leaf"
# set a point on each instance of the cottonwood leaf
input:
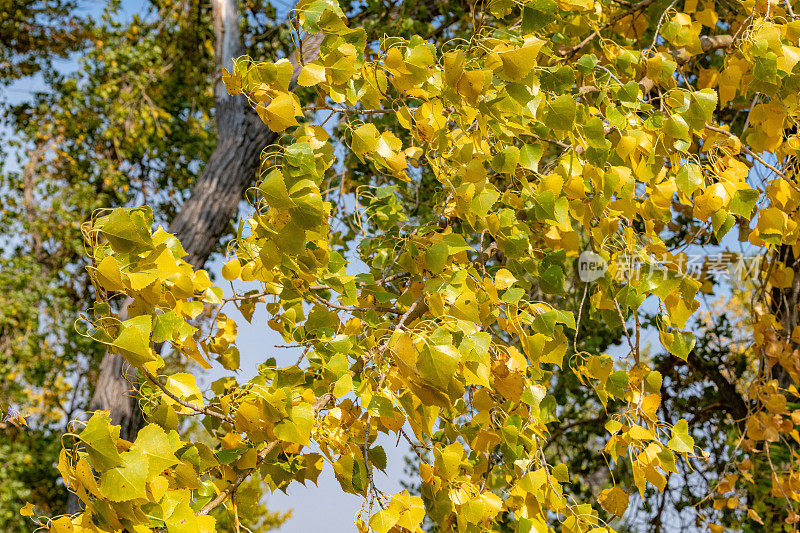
(99, 438)
(614, 501)
(154, 444)
(133, 342)
(126, 482)
(681, 441)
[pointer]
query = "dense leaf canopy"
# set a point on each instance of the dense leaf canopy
(416, 235)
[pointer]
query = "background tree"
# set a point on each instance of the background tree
(34, 32)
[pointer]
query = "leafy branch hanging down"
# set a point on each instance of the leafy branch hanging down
(556, 128)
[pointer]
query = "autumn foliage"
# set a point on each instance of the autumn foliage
(484, 166)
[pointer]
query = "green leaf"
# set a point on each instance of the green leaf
(529, 156)
(701, 108)
(437, 365)
(678, 343)
(126, 482)
(99, 438)
(689, 178)
(561, 113)
(351, 473)
(133, 342)
(677, 128)
(743, 202)
(274, 190)
(586, 64)
(167, 326)
(483, 201)
(297, 428)
(617, 383)
(505, 162)
(436, 257)
(377, 457)
(128, 229)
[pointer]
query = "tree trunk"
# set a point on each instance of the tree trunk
(241, 136)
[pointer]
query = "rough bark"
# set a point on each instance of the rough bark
(241, 136)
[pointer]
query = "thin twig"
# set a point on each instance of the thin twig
(230, 489)
(198, 409)
(747, 150)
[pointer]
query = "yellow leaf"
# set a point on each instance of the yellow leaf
(640, 433)
(27, 509)
(383, 520)
(614, 501)
(233, 82)
(108, 274)
(754, 516)
(281, 112)
(231, 269)
(312, 74)
(61, 525)
(650, 406)
(503, 279)
(575, 5)
(518, 62)
(365, 139)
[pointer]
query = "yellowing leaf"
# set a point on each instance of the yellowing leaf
(681, 441)
(233, 82)
(126, 482)
(614, 500)
(281, 112)
(133, 342)
(311, 74)
(153, 442)
(184, 386)
(62, 525)
(99, 438)
(365, 139)
(518, 62)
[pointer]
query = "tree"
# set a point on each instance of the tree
(33, 32)
(205, 217)
(476, 172)
(129, 126)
